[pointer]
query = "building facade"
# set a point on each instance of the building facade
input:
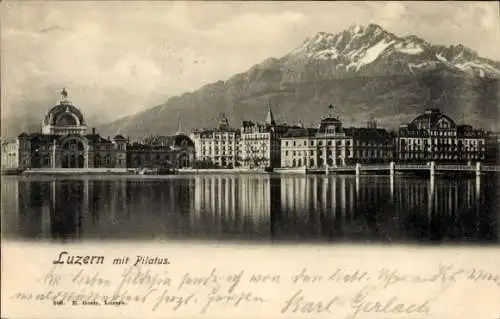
(434, 136)
(261, 142)
(217, 147)
(162, 152)
(253, 145)
(63, 142)
(10, 153)
(331, 145)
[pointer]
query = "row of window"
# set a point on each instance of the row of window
(348, 153)
(441, 148)
(338, 143)
(311, 163)
(440, 156)
(312, 143)
(441, 141)
(443, 133)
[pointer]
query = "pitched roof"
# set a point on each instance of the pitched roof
(365, 133)
(119, 137)
(300, 132)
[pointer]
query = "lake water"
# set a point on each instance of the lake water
(264, 208)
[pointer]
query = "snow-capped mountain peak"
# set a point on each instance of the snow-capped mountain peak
(360, 48)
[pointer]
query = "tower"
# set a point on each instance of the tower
(270, 117)
(223, 123)
(371, 123)
(179, 126)
(120, 144)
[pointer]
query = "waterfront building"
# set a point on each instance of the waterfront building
(10, 153)
(332, 145)
(218, 147)
(434, 136)
(493, 148)
(261, 142)
(167, 152)
(371, 145)
(64, 143)
(253, 145)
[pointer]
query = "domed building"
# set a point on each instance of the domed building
(64, 142)
(434, 136)
(64, 119)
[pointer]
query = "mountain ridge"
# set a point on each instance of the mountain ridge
(364, 71)
(392, 87)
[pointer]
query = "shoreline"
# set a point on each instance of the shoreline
(190, 171)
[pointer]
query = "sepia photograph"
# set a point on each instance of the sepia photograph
(256, 124)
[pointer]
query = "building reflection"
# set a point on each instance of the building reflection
(235, 206)
(263, 207)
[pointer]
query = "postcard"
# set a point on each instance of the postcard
(280, 159)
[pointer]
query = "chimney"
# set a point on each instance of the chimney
(93, 131)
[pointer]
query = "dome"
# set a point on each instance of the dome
(432, 119)
(330, 125)
(64, 114)
(181, 140)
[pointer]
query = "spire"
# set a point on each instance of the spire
(270, 117)
(330, 110)
(179, 126)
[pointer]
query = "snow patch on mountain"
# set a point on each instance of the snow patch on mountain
(427, 64)
(445, 61)
(481, 67)
(325, 54)
(441, 58)
(412, 49)
(359, 46)
(374, 52)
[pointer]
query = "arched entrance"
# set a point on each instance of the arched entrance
(184, 160)
(73, 154)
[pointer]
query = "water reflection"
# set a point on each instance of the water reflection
(324, 208)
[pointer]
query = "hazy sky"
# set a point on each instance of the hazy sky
(119, 57)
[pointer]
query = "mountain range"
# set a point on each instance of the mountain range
(364, 72)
